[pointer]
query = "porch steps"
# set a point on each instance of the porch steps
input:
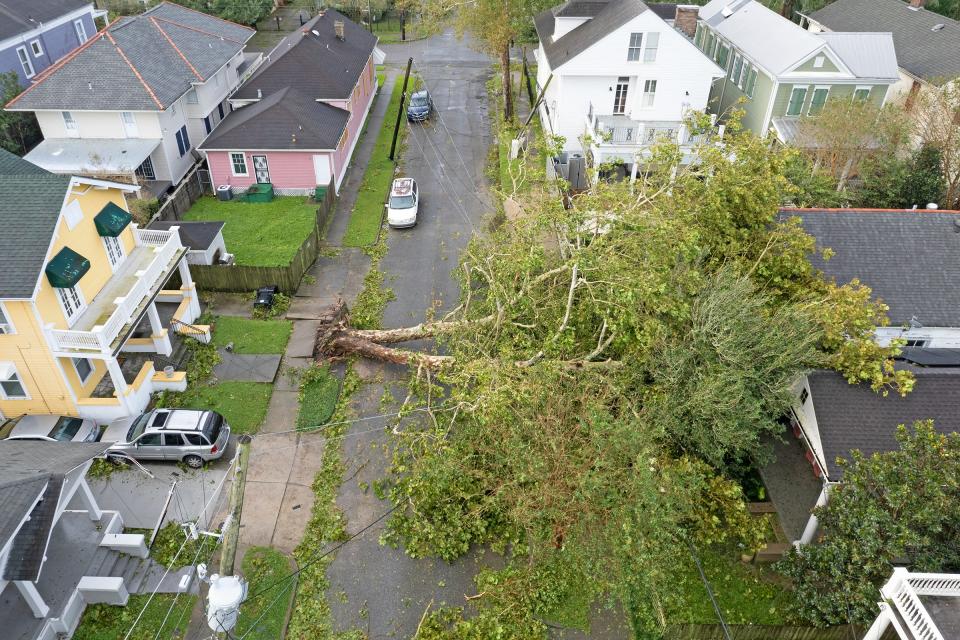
(140, 575)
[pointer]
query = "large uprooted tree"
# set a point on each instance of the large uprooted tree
(606, 366)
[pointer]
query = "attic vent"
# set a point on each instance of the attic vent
(338, 29)
(727, 11)
(938, 27)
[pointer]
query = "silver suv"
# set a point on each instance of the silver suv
(183, 435)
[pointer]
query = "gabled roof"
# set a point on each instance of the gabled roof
(910, 259)
(867, 55)
(606, 17)
(314, 60)
(30, 204)
(285, 120)
(138, 63)
(20, 16)
(931, 55)
(855, 417)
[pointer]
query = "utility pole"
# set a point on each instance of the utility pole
(369, 16)
(403, 97)
(231, 534)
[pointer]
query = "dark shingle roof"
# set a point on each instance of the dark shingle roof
(14, 165)
(666, 10)
(20, 16)
(931, 55)
(196, 235)
(909, 258)
(30, 206)
(32, 471)
(580, 9)
(143, 62)
(319, 64)
(855, 417)
(613, 15)
(284, 120)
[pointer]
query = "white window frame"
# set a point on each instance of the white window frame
(648, 48)
(36, 48)
(25, 62)
(818, 62)
(61, 295)
(622, 81)
(246, 167)
(112, 245)
(70, 124)
(648, 99)
(83, 380)
(81, 30)
(863, 87)
(797, 87)
(635, 52)
(744, 74)
(736, 68)
(130, 128)
(814, 95)
(6, 324)
(16, 376)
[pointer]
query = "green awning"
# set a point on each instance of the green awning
(66, 268)
(111, 220)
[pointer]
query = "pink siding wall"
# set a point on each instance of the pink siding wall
(294, 169)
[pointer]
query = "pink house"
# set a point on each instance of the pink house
(296, 121)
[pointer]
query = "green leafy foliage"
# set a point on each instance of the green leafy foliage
(246, 12)
(19, 131)
(892, 506)
(109, 622)
(889, 182)
(166, 546)
(263, 618)
(371, 302)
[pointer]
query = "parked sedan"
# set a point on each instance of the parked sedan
(50, 428)
(403, 204)
(420, 107)
(181, 435)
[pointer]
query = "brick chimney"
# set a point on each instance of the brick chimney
(338, 29)
(686, 18)
(917, 4)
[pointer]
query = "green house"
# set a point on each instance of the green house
(777, 72)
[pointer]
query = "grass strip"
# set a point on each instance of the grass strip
(319, 390)
(110, 622)
(243, 404)
(252, 336)
(264, 617)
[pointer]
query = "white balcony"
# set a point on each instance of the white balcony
(124, 298)
(621, 130)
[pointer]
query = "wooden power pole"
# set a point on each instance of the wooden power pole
(231, 535)
(403, 97)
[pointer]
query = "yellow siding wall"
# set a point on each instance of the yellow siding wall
(39, 373)
(85, 240)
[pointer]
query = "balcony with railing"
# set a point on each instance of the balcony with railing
(618, 130)
(125, 297)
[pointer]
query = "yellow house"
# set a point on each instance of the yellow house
(80, 331)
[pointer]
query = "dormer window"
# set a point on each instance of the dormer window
(636, 47)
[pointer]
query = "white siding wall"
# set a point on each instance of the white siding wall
(171, 123)
(98, 124)
(935, 337)
(807, 417)
(563, 26)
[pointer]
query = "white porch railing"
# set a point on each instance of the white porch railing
(165, 245)
(624, 131)
(903, 592)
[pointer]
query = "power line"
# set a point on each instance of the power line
(177, 596)
(440, 179)
(713, 600)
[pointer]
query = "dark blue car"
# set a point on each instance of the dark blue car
(421, 104)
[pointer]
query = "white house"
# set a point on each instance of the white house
(139, 97)
(620, 75)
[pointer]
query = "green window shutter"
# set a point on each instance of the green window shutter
(818, 100)
(111, 220)
(751, 82)
(66, 268)
(798, 96)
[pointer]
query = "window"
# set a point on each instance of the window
(129, 124)
(81, 31)
(183, 141)
(6, 326)
(83, 368)
(25, 62)
(66, 429)
(649, 93)
(206, 124)
(737, 68)
(723, 55)
(192, 97)
(71, 301)
(650, 49)
(196, 440)
(819, 99)
(797, 97)
(36, 48)
(818, 62)
(861, 94)
(636, 43)
(151, 440)
(70, 123)
(620, 96)
(751, 82)
(173, 439)
(10, 385)
(238, 163)
(114, 250)
(915, 343)
(220, 110)
(146, 170)
(698, 37)
(804, 394)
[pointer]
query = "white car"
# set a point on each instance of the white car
(403, 204)
(50, 428)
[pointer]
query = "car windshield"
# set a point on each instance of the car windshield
(66, 429)
(137, 427)
(418, 101)
(401, 202)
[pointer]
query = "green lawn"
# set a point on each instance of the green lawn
(367, 214)
(252, 336)
(263, 617)
(108, 622)
(260, 234)
(319, 391)
(243, 404)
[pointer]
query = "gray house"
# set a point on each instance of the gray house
(34, 34)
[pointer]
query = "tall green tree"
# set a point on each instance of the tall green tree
(19, 131)
(898, 506)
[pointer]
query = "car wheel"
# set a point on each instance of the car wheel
(194, 462)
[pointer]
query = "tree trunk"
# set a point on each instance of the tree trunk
(507, 82)
(786, 10)
(351, 344)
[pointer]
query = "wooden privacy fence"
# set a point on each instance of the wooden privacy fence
(760, 632)
(244, 278)
(194, 184)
